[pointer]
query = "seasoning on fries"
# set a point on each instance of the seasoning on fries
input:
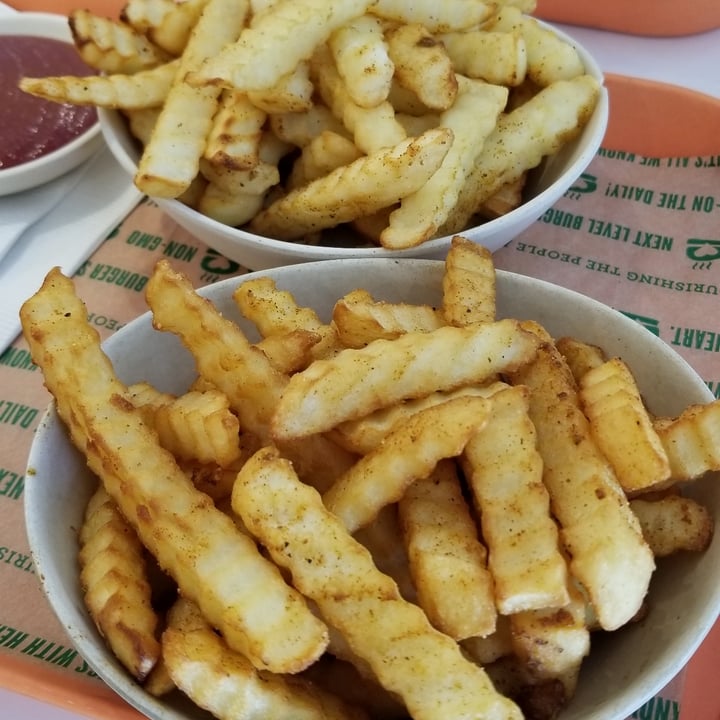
(339, 94)
(427, 510)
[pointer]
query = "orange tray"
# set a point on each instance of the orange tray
(635, 17)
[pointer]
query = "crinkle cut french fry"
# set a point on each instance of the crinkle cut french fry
(622, 427)
(504, 472)
(361, 55)
(225, 682)
(549, 58)
(468, 284)
(423, 666)
(422, 65)
(674, 523)
(472, 117)
(323, 154)
(358, 381)
(166, 23)
(297, 26)
(365, 186)
(496, 57)
(113, 46)
(115, 584)
(608, 554)
(553, 642)
(227, 359)
(359, 319)
(291, 93)
(144, 89)
(692, 440)
(373, 128)
(409, 452)
(237, 128)
(437, 17)
(523, 136)
(366, 433)
(240, 592)
(579, 355)
(301, 127)
(170, 160)
(223, 353)
(276, 312)
(447, 560)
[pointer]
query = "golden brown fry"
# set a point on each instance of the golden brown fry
(358, 381)
(523, 136)
(468, 284)
(472, 117)
(323, 154)
(237, 128)
(422, 65)
(297, 26)
(408, 453)
(361, 56)
(365, 186)
(225, 682)
(495, 57)
(290, 352)
(504, 471)
(608, 554)
(553, 642)
(199, 426)
(359, 319)
(485, 650)
(692, 440)
(372, 128)
(166, 23)
(580, 356)
(276, 312)
(301, 127)
(447, 560)
(674, 523)
(144, 89)
(291, 93)
(507, 198)
(436, 17)
(549, 58)
(212, 563)
(368, 432)
(230, 362)
(116, 589)
(170, 160)
(113, 46)
(223, 353)
(622, 427)
(409, 657)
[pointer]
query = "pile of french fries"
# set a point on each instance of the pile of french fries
(403, 511)
(383, 121)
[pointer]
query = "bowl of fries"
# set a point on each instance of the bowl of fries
(327, 435)
(373, 130)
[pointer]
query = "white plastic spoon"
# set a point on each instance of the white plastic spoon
(21, 210)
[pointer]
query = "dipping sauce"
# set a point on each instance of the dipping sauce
(31, 127)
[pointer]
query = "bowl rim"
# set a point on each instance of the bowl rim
(53, 164)
(637, 691)
(594, 129)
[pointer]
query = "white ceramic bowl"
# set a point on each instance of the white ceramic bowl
(623, 670)
(548, 183)
(65, 158)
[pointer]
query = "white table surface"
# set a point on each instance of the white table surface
(691, 62)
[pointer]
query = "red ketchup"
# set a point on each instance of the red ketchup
(31, 127)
